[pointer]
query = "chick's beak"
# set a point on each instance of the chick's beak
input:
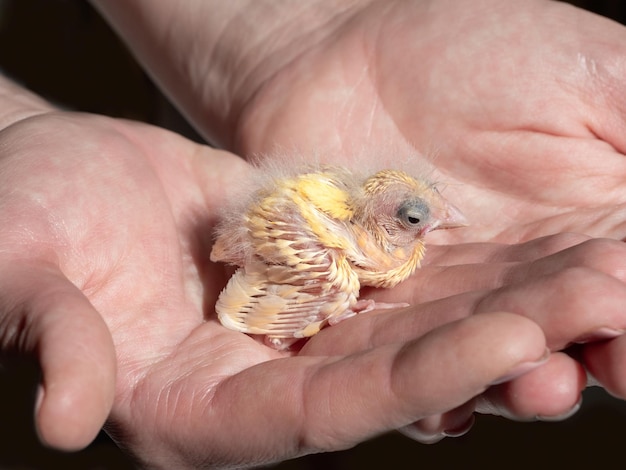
(445, 215)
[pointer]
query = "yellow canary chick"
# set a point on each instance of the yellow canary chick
(305, 243)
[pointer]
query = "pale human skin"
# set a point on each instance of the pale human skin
(113, 290)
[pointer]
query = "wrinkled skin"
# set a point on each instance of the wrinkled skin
(112, 245)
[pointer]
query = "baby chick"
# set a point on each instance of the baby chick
(305, 243)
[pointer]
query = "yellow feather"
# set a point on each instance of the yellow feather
(320, 190)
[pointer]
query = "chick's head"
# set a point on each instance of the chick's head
(399, 209)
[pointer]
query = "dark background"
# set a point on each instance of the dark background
(63, 50)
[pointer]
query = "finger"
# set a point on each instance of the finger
(598, 254)
(550, 392)
(575, 305)
(463, 268)
(434, 428)
(380, 327)
(438, 282)
(328, 403)
(479, 253)
(42, 313)
(605, 362)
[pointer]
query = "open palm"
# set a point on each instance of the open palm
(518, 106)
(124, 213)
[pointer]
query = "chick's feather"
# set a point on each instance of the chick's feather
(305, 243)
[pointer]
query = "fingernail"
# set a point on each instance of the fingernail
(522, 368)
(569, 413)
(600, 334)
(39, 398)
(460, 430)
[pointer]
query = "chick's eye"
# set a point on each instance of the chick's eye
(413, 213)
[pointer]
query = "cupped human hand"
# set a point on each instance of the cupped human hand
(106, 279)
(518, 108)
(104, 225)
(570, 285)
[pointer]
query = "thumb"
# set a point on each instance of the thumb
(42, 313)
